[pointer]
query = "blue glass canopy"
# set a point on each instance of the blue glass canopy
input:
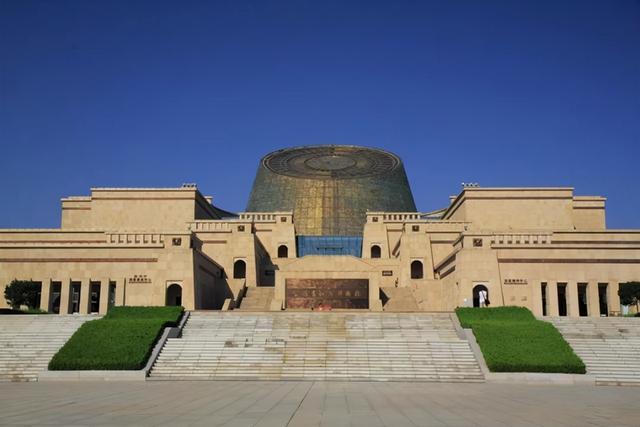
(329, 245)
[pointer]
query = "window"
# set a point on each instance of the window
(415, 228)
(375, 251)
(375, 219)
(241, 228)
(283, 251)
(416, 270)
(477, 243)
(239, 269)
(176, 241)
(283, 219)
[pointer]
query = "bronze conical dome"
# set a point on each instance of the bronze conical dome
(330, 188)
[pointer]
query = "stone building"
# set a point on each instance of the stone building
(333, 225)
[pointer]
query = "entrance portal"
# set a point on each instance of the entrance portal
(94, 297)
(562, 299)
(476, 294)
(337, 293)
(583, 308)
(174, 295)
(602, 298)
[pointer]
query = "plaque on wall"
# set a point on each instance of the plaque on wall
(338, 293)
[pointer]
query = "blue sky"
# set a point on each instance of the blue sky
(133, 94)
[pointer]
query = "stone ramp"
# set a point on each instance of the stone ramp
(257, 299)
(28, 342)
(609, 346)
(318, 346)
(399, 299)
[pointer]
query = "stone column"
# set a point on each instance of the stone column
(65, 294)
(592, 299)
(45, 294)
(552, 298)
(85, 290)
(572, 299)
(120, 284)
(104, 296)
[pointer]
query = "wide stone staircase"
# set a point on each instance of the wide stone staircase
(28, 342)
(257, 298)
(609, 346)
(343, 346)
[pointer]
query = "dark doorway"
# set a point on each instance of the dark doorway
(602, 299)
(112, 294)
(239, 269)
(283, 251)
(562, 299)
(583, 304)
(476, 294)
(94, 297)
(54, 297)
(74, 301)
(174, 295)
(544, 299)
(375, 251)
(416, 270)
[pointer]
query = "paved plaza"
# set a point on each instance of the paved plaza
(254, 403)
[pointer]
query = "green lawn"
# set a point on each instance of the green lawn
(122, 340)
(513, 340)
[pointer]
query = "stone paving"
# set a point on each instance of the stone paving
(254, 403)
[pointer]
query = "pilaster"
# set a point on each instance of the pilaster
(104, 296)
(572, 299)
(552, 299)
(592, 299)
(65, 294)
(85, 290)
(45, 294)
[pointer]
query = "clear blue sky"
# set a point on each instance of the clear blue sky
(134, 93)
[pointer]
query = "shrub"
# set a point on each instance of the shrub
(629, 293)
(513, 340)
(122, 340)
(22, 292)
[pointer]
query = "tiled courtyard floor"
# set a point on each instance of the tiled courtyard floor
(235, 403)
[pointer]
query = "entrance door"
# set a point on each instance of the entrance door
(476, 294)
(602, 299)
(94, 298)
(74, 306)
(562, 299)
(583, 306)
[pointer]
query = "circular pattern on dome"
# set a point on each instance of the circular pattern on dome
(331, 162)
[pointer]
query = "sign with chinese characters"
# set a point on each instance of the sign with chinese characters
(338, 293)
(515, 281)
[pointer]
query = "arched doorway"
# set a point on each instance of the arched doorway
(476, 294)
(239, 269)
(174, 295)
(417, 270)
(283, 251)
(376, 252)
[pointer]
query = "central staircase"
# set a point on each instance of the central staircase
(608, 346)
(343, 346)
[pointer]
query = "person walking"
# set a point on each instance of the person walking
(483, 298)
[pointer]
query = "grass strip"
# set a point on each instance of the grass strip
(122, 340)
(513, 340)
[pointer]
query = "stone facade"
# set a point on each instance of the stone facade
(542, 248)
